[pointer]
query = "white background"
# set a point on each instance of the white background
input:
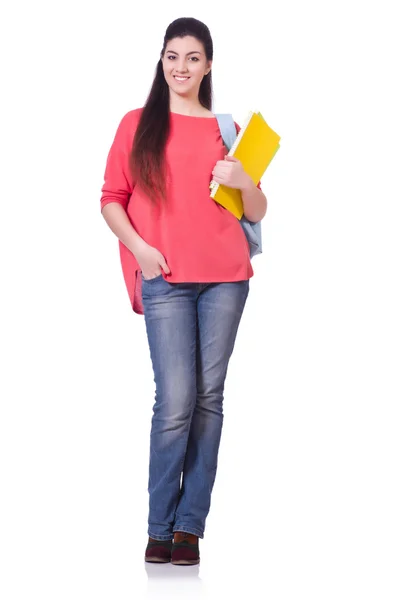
(304, 504)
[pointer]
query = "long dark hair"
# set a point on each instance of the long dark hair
(147, 157)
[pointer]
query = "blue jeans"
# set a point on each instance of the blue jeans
(191, 329)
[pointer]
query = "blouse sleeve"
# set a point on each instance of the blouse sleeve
(238, 129)
(118, 184)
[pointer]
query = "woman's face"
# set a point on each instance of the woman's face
(185, 57)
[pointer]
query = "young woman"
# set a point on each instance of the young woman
(186, 265)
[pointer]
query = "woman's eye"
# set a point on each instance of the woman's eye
(192, 57)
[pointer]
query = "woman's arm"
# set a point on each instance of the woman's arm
(230, 172)
(118, 221)
(254, 201)
(149, 258)
(116, 193)
(118, 186)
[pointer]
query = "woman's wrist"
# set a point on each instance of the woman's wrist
(137, 244)
(248, 185)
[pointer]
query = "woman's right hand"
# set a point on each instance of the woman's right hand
(151, 261)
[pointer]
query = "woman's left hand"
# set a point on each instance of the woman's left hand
(230, 172)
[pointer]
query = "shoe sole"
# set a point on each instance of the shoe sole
(185, 562)
(157, 560)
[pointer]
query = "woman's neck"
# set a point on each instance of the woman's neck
(190, 109)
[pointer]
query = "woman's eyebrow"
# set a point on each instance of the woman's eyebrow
(187, 54)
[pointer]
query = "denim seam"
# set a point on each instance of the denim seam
(188, 428)
(184, 454)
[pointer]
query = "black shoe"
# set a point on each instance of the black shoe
(185, 549)
(158, 551)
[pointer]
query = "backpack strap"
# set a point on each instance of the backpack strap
(228, 129)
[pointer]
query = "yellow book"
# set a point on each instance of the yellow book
(255, 147)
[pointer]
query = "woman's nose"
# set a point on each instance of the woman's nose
(181, 67)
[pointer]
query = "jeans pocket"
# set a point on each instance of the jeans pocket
(152, 279)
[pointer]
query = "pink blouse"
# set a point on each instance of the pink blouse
(199, 239)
